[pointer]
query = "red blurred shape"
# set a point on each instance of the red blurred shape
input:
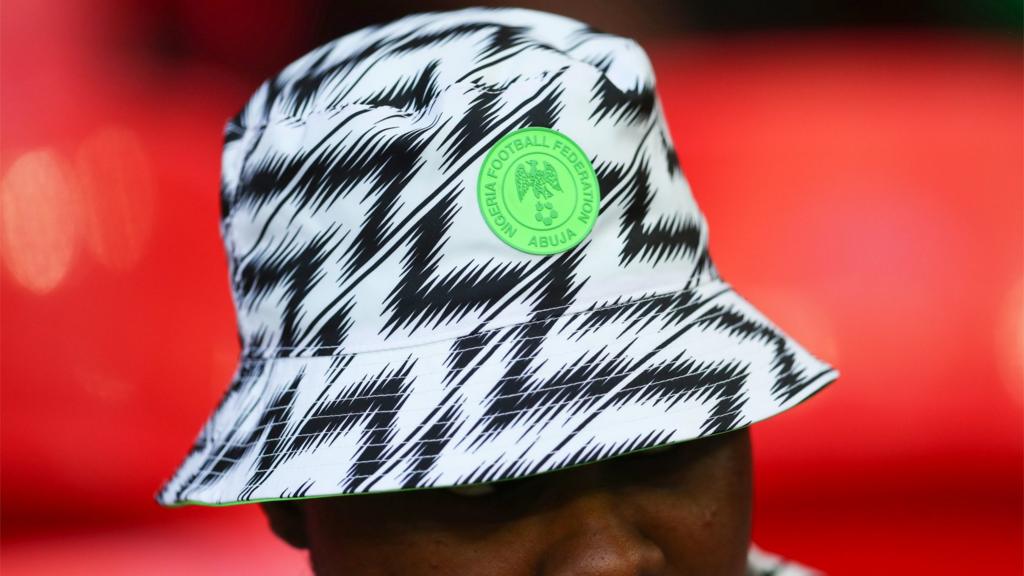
(118, 195)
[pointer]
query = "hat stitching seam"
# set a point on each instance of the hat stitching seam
(699, 321)
(265, 353)
(473, 83)
(216, 431)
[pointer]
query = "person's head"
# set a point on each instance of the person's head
(463, 252)
(683, 509)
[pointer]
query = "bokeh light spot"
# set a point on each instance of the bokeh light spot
(118, 190)
(39, 220)
(1012, 341)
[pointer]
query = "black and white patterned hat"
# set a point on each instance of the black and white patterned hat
(462, 250)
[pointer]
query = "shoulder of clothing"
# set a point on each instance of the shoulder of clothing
(761, 563)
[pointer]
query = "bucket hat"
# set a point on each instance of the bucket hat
(462, 250)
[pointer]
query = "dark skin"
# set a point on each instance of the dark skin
(678, 511)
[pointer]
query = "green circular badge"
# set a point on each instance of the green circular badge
(538, 191)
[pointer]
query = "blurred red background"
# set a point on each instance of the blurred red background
(891, 162)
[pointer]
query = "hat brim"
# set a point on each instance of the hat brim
(556, 391)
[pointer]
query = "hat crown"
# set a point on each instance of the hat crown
(406, 63)
(349, 186)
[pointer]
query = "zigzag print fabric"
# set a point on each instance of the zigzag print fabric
(391, 340)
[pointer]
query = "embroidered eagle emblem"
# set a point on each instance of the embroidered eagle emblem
(543, 183)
